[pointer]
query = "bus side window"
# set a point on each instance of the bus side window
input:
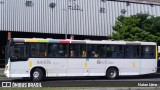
(42, 54)
(52, 50)
(148, 52)
(38, 50)
(92, 51)
(102, 51)
(108, 51)
(57, 50)
(61, 50)
(136, 51)
(32, 50)
(83, 53)
(82, 50)
(129, 51)
(116, 51)
(74, 50)
(71, 53)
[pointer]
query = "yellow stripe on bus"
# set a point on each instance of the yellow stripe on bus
(30, 64)
(86, 64)
(156, 52)
(133, 64)
(30, 40)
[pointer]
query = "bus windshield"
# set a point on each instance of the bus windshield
(7, 52)
(18, 52)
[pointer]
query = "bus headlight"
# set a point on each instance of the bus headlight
(6, 67)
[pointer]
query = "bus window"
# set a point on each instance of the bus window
(116, 51)
(82, 50)
(129, 51)
(38, 50)
(136, 51)
(19, 52)
(108, 51)
(92, 51)
(102, 49)
(52, 50)
(61, 50)
(57, 50)
(74, 50)
(148, 52)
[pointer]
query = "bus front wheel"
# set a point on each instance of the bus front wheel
(37, 74)
(112, 73)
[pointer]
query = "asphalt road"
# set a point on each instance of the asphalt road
(152, 80)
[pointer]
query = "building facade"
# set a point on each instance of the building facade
(75, 17)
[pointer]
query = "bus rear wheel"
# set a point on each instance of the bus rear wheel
(112, 73)
(37, 74)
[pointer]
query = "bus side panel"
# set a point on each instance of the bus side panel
(19, 69)
(53, 66)
(58, 67)
(125, 66)
(148, 66)
(75, 67)
(96, 67)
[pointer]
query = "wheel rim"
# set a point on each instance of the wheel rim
(36, 74)
(113, 74)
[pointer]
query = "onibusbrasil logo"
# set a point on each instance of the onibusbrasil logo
(18, 84)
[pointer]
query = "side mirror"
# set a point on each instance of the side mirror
(13, 57)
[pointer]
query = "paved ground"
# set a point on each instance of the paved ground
(119, 88)
(131, 81)
(152, 80)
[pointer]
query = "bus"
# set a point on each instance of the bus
(39, 58)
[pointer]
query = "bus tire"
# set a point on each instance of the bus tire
(112, 73)
(37, 74)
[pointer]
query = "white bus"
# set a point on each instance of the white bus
(40, 58)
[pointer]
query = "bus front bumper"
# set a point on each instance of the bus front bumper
(6, 71)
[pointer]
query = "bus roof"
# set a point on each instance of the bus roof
(67, 41)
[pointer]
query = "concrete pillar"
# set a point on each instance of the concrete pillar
(72, 37)
(9, 35)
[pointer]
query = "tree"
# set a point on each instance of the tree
(139, 27)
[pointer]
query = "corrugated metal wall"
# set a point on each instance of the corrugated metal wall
(1, 15)
(78, 17)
